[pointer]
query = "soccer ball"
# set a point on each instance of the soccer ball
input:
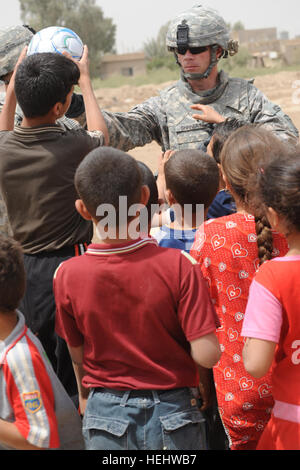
(56, 39)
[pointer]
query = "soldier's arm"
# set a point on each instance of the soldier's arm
(271, 116)
(138, 127)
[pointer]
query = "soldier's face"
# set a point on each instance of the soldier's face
(195, 63)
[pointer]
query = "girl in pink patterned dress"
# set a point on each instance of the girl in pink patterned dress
(230, 250)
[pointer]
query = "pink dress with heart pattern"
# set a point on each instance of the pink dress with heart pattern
(227, 250)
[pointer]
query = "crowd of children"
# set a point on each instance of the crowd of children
(124, 342)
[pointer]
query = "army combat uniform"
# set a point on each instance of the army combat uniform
(167, 118)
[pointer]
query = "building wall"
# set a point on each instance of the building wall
(291, 51)
(255, 35)
(261, 42)
(264, 46)
(126, 67)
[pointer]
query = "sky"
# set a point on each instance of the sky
(138, 21)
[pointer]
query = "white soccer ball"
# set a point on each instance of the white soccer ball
(56, 39)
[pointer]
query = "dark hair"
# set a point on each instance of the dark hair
(12, 274)
(221, 133)
(148, 179)
(279, 187)
(42, 80)
(241, 158)
(104, 175)
(193, 177)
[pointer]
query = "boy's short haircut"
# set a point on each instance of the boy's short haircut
(105, 175)
(12, 274)
(42, 80)
(220, 134)
(193, 177)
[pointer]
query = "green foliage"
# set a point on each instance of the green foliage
(156, 47)
(82, 16)
(157, 53)
(168, 62)
(238, 26)
(154, 77)
(240, 60)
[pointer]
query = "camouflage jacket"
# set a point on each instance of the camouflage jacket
(167, 118)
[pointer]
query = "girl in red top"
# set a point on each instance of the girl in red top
(272, 321)
(230, 250)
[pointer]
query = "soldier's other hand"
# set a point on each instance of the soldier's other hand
(209, 114)
(161, 182)
(163, 158)
(167, 155)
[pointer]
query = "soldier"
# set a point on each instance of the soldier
(199, 38)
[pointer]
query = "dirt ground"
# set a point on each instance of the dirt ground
(278, 88)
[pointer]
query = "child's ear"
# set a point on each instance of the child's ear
(170, 198)
(205, 213)
(56, 110)
(273, 219)
(80, 207)
(209, 148)
(227, 185)
(145, 195)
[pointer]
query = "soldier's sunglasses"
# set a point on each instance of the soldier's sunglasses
(193, 50)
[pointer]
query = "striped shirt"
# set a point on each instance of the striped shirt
(31, 395)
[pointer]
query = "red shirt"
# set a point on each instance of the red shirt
(134, 307)
(226, 249)
(277, 319)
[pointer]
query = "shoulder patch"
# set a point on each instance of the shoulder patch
(32, 401)
(189, 257)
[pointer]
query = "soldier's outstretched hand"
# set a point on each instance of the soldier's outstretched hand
(208, 114)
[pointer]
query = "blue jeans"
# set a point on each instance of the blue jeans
(144, 420)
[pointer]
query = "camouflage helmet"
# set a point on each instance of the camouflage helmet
(12, 41)
(205, 27)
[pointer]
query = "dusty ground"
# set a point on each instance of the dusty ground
(278, 88)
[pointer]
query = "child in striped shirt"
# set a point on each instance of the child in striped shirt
(35, 411)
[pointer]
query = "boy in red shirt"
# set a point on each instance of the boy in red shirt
(136, 318)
